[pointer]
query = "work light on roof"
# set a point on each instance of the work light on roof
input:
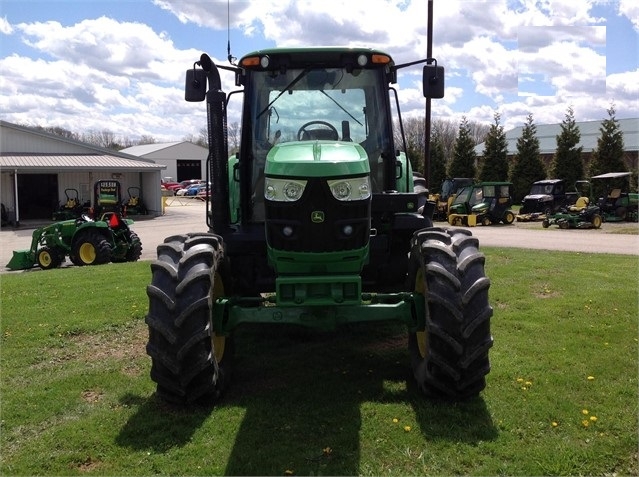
(265, 61)
(362, 60)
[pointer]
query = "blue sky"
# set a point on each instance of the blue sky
(119, 65)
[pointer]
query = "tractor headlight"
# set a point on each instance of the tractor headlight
(355, 188)
(283, 190)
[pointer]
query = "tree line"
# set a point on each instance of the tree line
(457, 158)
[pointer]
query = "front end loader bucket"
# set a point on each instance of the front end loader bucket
(21, 260)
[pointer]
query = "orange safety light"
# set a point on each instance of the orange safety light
(250, 61)
(380, 59)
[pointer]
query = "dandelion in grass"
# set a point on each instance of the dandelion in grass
(591, 378)
(593, 418)
(585, 422)
(395, 420)
(407, 428)
(554, 424)
(584, 412)
(327, 451)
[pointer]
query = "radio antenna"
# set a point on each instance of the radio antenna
(231, 58)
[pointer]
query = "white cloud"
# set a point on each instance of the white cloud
(126, 76)
(5, 26)
(630, 9)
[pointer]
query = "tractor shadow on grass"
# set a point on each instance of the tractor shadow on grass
(157, 426)
(312, 401)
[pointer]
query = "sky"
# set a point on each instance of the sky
(94, 65)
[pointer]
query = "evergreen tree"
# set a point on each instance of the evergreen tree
(528, 167)
(463, 163)
(437, 163)
(608, 155)
(495, 165)
(567, 163)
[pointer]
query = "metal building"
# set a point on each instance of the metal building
(37, 167)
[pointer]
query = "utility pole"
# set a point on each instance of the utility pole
(429, 54)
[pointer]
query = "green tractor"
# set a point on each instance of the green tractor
(83, 240)
(482, 203)
(317, 221)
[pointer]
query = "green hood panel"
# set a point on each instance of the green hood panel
(317, 159)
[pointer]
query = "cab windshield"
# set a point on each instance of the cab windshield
(326, 104)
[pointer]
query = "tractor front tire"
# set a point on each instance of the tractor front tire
(91, 248)
(449, 349)
(596, 221)
(49, 258)
(189, 361)
(509, 217)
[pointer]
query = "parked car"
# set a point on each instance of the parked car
(184, 185)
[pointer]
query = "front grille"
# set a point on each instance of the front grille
(316, 222)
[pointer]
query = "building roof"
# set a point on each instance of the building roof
(75, 162)
(145, 149)
(27, 149)
(589, 130)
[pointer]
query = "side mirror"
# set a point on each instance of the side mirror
(195, 85)
(433, 81)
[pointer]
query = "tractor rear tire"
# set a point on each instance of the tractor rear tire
(49, 258)
(449, 349)
(135, 249)
(189, 361)
(91, 248)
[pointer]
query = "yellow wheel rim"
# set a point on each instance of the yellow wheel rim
(45, 259)
(87, 253)
(596, 222)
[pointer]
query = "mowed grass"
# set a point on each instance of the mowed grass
(561, 397)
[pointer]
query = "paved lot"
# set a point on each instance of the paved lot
(189, 217)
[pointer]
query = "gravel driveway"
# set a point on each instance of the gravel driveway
(616, 238)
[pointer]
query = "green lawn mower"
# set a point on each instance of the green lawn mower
(71, 208)
(85, 241)
(581, 215)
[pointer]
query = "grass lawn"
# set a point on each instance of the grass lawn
(561, 398)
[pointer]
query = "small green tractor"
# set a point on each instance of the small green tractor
(483, 203)
(317, 221)
(86, 240)
(83, 240)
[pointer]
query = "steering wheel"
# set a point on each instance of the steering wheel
(302, 130)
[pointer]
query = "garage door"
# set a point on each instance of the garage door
(189, 169)
(37, 195)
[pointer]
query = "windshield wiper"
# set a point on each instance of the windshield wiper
(288, 87)
(339, 106)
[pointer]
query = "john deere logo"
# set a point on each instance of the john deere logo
(317, 216)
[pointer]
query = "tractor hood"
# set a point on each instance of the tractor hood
(316, 159)
(539, 197)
